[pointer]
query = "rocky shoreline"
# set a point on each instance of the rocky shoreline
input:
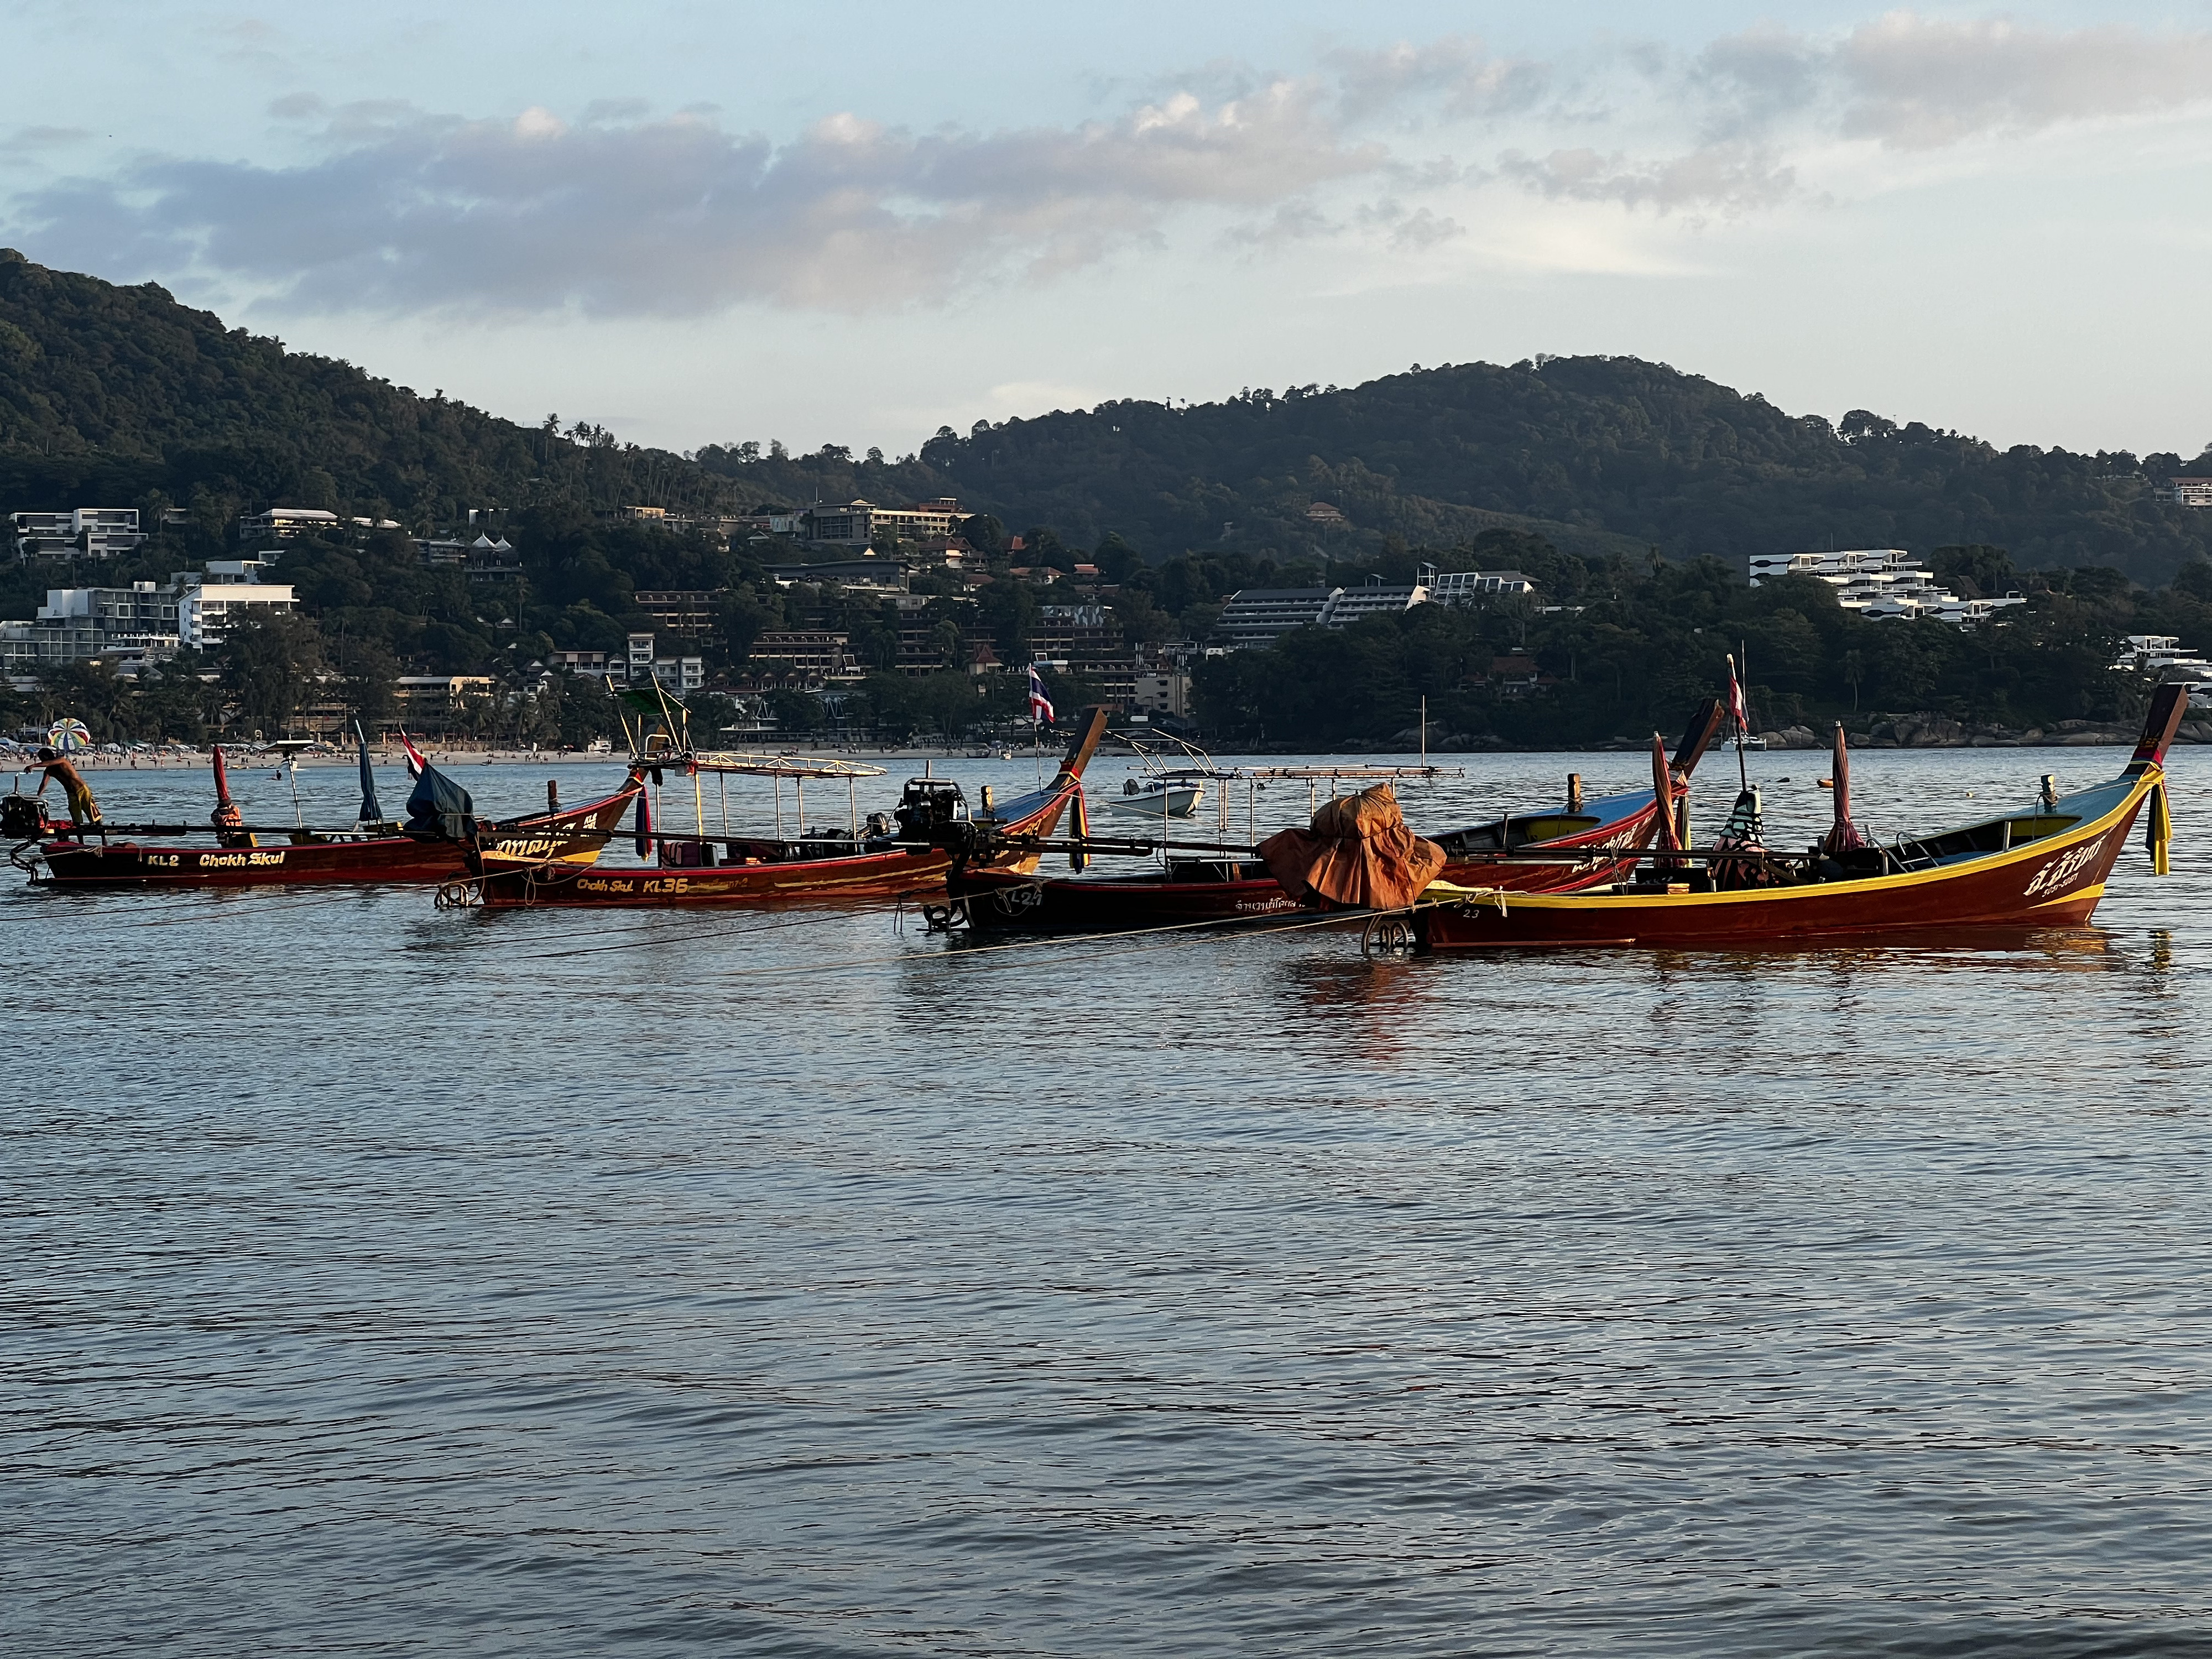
(1922, 731)
(1942, 731)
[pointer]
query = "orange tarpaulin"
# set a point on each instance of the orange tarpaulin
(1358, 851)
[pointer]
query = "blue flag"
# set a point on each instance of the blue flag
(370, 811)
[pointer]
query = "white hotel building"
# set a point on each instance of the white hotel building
(1880, 581)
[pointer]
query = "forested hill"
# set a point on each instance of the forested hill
(108, 394)
(111, 394)
(1611, 447)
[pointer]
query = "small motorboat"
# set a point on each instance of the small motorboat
(1160, 795)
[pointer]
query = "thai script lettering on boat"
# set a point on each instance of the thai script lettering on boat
(2061, 872)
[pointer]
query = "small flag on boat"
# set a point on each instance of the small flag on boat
(1736, 710)
(1040, 705)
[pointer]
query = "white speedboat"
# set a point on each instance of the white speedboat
(1156, 797)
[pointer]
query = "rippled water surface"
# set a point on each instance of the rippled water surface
(385, 1280)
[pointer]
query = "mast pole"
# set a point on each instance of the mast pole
(1742, 772)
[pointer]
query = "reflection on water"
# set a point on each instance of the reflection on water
(565, 1282)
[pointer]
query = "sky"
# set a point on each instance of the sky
(855, 222)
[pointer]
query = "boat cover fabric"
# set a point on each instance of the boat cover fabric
(1845, 835)
(371, 812)
(440, 806)
(1358, 852)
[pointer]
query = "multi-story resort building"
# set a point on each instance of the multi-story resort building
(860, 524)
(95, 532)
(145, 621)
(1878, 582)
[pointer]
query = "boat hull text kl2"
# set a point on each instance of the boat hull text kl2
(2040, 867)
(698, 869)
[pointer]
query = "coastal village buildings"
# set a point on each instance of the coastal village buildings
(2163, 657)
(230, 591)
(2189, 492)
(861, 524)
(883, 575)
(1257, 617)
(92, 532)
(688, 613)
(146, 621)
(279, 522)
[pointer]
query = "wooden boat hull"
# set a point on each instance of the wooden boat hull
(1583, 860)
(995, 900)
(1008, 901)
(2055, 881)
(130, 863)
(566, 839)
(863, 875)
(1582, 834)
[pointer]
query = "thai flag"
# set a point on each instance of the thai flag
(1039, 704)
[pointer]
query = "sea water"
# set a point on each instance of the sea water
(380, 1278)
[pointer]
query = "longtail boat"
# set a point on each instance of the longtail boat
(1585, 833)
(1188, 891)
(2043, 866)
(909, 855)
(1588, 843)
(435, 844)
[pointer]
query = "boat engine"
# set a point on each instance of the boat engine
(20, 817)
(933, 810)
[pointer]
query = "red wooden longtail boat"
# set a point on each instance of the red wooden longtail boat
(434, 847)
(1589, 838)
(1582, 834)
(700, 869)
(2043, 866)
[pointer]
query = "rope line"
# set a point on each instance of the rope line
(1257, 923)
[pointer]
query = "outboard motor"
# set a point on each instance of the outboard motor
(933, 810)
(20, 817)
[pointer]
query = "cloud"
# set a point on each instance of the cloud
(615, 211)
(1731, 178)
(1293, 222)
(1914, 82)
(31, 140)
(1918, 82)
(1472, 83)
(406, 210)
(1416, 231)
